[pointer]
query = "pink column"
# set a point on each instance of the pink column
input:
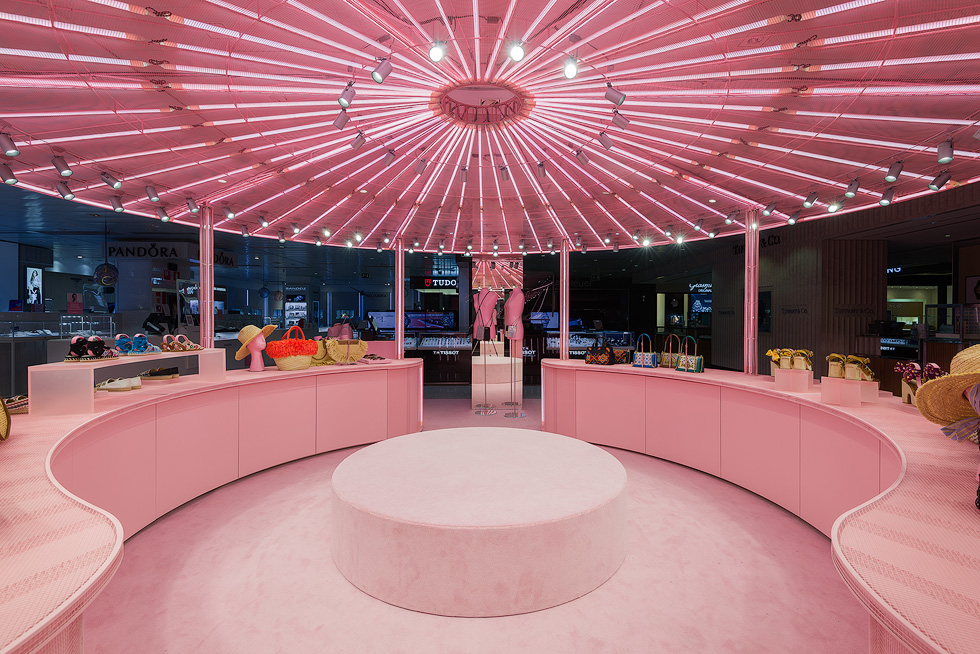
(399, 299)
(206, 291)
(563, 300)
(751, 318)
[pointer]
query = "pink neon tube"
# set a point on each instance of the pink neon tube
(563, 298)
(399, 298)
(206, 287)
(751, 318)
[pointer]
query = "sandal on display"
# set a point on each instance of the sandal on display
(835, 366)
(4, 421)
(77, 349)
(857, 368)
(170, 344)
(97, 350)
(157, 374)
(187, 344)
(142, 347)
(16, 404)
(117, 385)
(124, 344)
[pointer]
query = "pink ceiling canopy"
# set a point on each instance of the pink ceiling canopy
(729, 106)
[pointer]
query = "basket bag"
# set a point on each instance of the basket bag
(321, 358)
(292, 351)
(690, 362)
(346, 350)
(668, 358)
(643, 359)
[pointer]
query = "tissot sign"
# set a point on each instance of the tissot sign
(435, 282)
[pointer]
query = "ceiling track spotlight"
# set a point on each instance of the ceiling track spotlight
(570, 68)
(191, 205)
(698, 224)
(463, 174)
(578, 241)
(496, 254)
(769, 209)
(386, 239)
(7, 175)
(389, 157)
(469, 246)
(711, 234)
(852, 188)
(614, 95)
(415, 243)
(358, 237)
(326, 232)
(437, 51)
(162, 215)
(263, 221)
(516, 51)
(636, 236)
(380, 74)
(110, 180)
(504, 173)
(229, 214)
(893, 171)
(944, 153)
(794, 218)
(887, 197)
(64, 190)
(669, 232)
(835, 206)
(316, 239)
(282, 237)
(810, 200)
(411, 249)
(551, 244)
(151, 194)
(116, 204)
(442, 244)
(520, 244)
(347, 95)
(340, 122)
(496, 246)
(679, 239)
(585, 248)
(61, 166)
(605, 141)
(245, 233)
(582, 157)
(646, 242)
(541, 171)
(420, 167)
(615, 247)
(730, 218)
(380, 247)
(7, 145)
(619, 120)
(940, 180)
(295, 229)
(523, 253)
(349, 243)
(358, 140)
(608, 239)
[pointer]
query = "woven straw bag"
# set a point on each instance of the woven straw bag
(346, 351)
(322, 358)
(292, 351)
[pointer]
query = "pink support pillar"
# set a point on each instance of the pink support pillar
(399, 299)
(563, 298)
(206, 290)
(751, 325)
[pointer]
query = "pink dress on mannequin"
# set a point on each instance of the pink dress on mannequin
(513, 310)
(486, 311)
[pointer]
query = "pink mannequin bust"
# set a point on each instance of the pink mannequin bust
(513, 309)
(255, 347)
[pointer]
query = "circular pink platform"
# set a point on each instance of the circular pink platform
(479, 522)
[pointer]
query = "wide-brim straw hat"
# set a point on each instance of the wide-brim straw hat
(248, 334)
(942, 400)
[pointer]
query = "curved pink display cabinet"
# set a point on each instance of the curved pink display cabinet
(143, 453)
(894, 495)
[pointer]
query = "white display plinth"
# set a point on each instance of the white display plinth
(492, 378)
(58, 389)
(847, 392)
(789, 380)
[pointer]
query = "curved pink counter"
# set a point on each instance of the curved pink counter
(894, 495)
(144, 453)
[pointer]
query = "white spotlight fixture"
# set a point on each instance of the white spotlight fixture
(669, 231)
(887, 196)
(316, 239)
(940, 181)
(263, 221)
(386, 239)
(835, 206)
(340, 122)
(570, 69)
(380, 247)
(282, 237)
(608, 239)
(769, 209)
(796, 216)
(945, 152)
(578, 241)
(697, 225)
(496, 254)
(347, 95)
(245, 231)
(326, 232)
(711, 234)
(730, 218)
(442, 244)
(295, 229)
(151, 194)
(111, 181)
(229, 214)
(893, 171)
(191, 205)
(516, 51)
(614, 95)
(411, 249)
(645, 242)
(619, 120)
(8, 146)
(162, 214)
(380, 74)
(420, 167)
(7, 175)
(554, 251)
(524, 253)
(437, 51)
(469, 246)
(61, 166)
(504, 173)
(852, 188)
(496, 246)
(358, 140)
(810, 200)
(389, 157)
(636, 236)
(615, 247)
(463, 170)
(582, 157)
(116, 204)
(605, 140)
(551, 244)
(679, 239)
(520, 244)
(415, 243)
(64, 190)
(358, 237)
(541, 171)
(349, 243)
(585, 248)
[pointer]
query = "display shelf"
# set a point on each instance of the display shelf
(445, 342)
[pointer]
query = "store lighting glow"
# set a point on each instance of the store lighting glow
(795, 217)
(111, 181)
(358, 237)
(504, 173)
(116, 204)
(646, 241)
(326, 232)
(229, 214)
(8, 146)
(605, 141)
(347, 95)
(380, 74)
(496, 254)
(608, 239)
(944, 153)
(570, 69)
(619, 120)
(151, 194)
(282, 237)
(524, 253)
(893, 171)
(516, 51)
(835, 206)
(437, 52)
(61, 166)
(582, 157)
(7, 175)
(162, 214)
(769, 209)
(852, 188)
(496, 246)
(389, 157)
(245, 233)
(386, 239)
(636, 236)
(341, 120)
(810, 200)
(940, 181)
(542, 172)
(358, 140)
(263, 221)
(420, 167)
(679, 239)
(614, 95)
(295, 229)
(887, 196)
(64, 190)
(551, 244)
(316, 239)
(349, 243)
(191, 205)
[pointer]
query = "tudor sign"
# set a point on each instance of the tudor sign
(435, 282)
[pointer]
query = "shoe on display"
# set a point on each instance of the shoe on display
(158, 374)
(16, 404)
(124, 344)
(77, 349)
(142, 347)
(116, 385)
(97, 350)
(187, 344)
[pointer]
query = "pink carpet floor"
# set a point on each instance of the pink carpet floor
(247, 568)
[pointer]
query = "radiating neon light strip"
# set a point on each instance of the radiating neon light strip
(428, 38)
(458, 134)
(462, 193)
(91, 112)
(522, 165)
(346, 29)
(501, 38)
(495, 176)
(468, 138)
(539, 191)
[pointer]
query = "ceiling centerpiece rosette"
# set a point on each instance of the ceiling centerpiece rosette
(455, 124)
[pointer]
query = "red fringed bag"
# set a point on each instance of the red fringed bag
(292, 351)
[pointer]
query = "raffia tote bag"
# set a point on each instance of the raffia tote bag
(346, 350)
(668, 358)
(642, 359)
(292, 351)
(321, 358)
(690, 362)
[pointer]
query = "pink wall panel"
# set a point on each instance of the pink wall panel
(268, 436)
(684, 423)
(403, 402)
(890, 466)
(761, 448)
(609, 409)
(353, 409)
(838, 467)
(197, 446)
(564, 412)
(114, 468)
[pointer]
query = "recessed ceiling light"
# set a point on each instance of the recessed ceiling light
(79, 257)
(222, 181)
(712, 200)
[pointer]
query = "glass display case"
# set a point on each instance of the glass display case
(33, 326)
(86, 325)
(953, 321)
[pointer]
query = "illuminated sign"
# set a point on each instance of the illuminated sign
(435, 282)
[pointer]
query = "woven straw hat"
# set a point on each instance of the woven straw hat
(942, 400)
(248, 334)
